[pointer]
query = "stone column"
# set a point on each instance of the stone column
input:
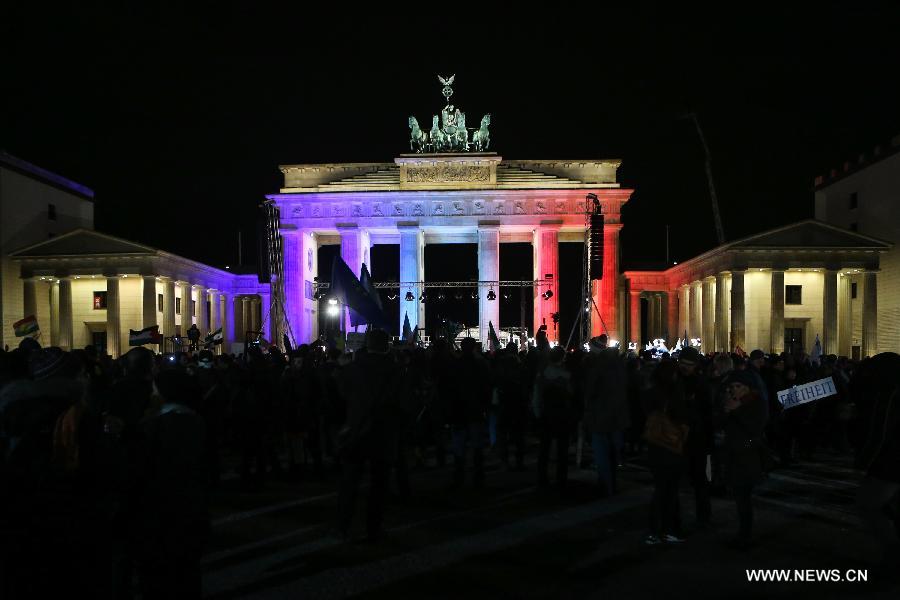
(720, 343)
(236, 323)
(489, 270)
(148, 297)
(738, 327)
(186, 318)
(707, 327)
(54, 313)
(609, 288)
(684, 307)
(870, 314)
(29, 298)
(546, 268)
(215, 316)
(255, 305)
(412, 268)
(300, 252)
(776, 320)
(693, 312)
(202, 316)
(354, 250)
(829, 312)
(246, 317)
(845, 316)
(634, 304)
(671, 302)
(168, 312)
(227, 311)
(265, 315)
(65, 313)
(653, 309)
(113, 317)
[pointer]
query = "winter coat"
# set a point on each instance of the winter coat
(552, 397)
(744, 440)
(605, 393)
(370, 388)
(876, 391)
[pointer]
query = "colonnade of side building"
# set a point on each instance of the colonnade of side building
(747, 308)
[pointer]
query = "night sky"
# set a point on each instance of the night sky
(178, 121)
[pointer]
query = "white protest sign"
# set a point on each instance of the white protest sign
(801, 394)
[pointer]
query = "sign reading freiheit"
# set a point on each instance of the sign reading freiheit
(801, 394)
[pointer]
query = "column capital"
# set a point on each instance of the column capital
(635, 292)
(612, 227)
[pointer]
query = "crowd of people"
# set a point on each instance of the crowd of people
(106, 465)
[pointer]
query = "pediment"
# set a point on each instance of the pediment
(810, 234)
(83, 242)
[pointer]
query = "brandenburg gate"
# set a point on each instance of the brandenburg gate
(448, 190)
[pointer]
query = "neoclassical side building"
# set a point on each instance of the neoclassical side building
(471, 197)
(89, 288)
(777, 290)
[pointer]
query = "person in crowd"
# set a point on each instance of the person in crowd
(468, 412)
(370, 387)
(743, 419)
(512, 410)
(699, 445)
(606, 411)
(193, 334)
(666, 407)
(172, 514)
(552, 404)
(876, 391)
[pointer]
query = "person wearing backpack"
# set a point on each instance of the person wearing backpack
(552, 403)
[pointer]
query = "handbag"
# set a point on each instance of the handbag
(660, 430)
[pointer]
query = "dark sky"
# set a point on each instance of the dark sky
(178, 121)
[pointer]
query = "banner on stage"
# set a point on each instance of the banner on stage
(801, 394)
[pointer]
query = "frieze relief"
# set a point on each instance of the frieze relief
(447, 173)
(440, 208)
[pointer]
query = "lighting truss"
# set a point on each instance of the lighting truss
(446, 284)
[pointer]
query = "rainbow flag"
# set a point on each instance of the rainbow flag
(27, 326)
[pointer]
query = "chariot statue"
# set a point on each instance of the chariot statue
(449, 133)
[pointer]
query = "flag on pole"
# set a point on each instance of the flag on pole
(27, 326)
(493, 340)
(147, 335)
(407, 329)
(214, 337)
(348, 290)
(365, 279)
